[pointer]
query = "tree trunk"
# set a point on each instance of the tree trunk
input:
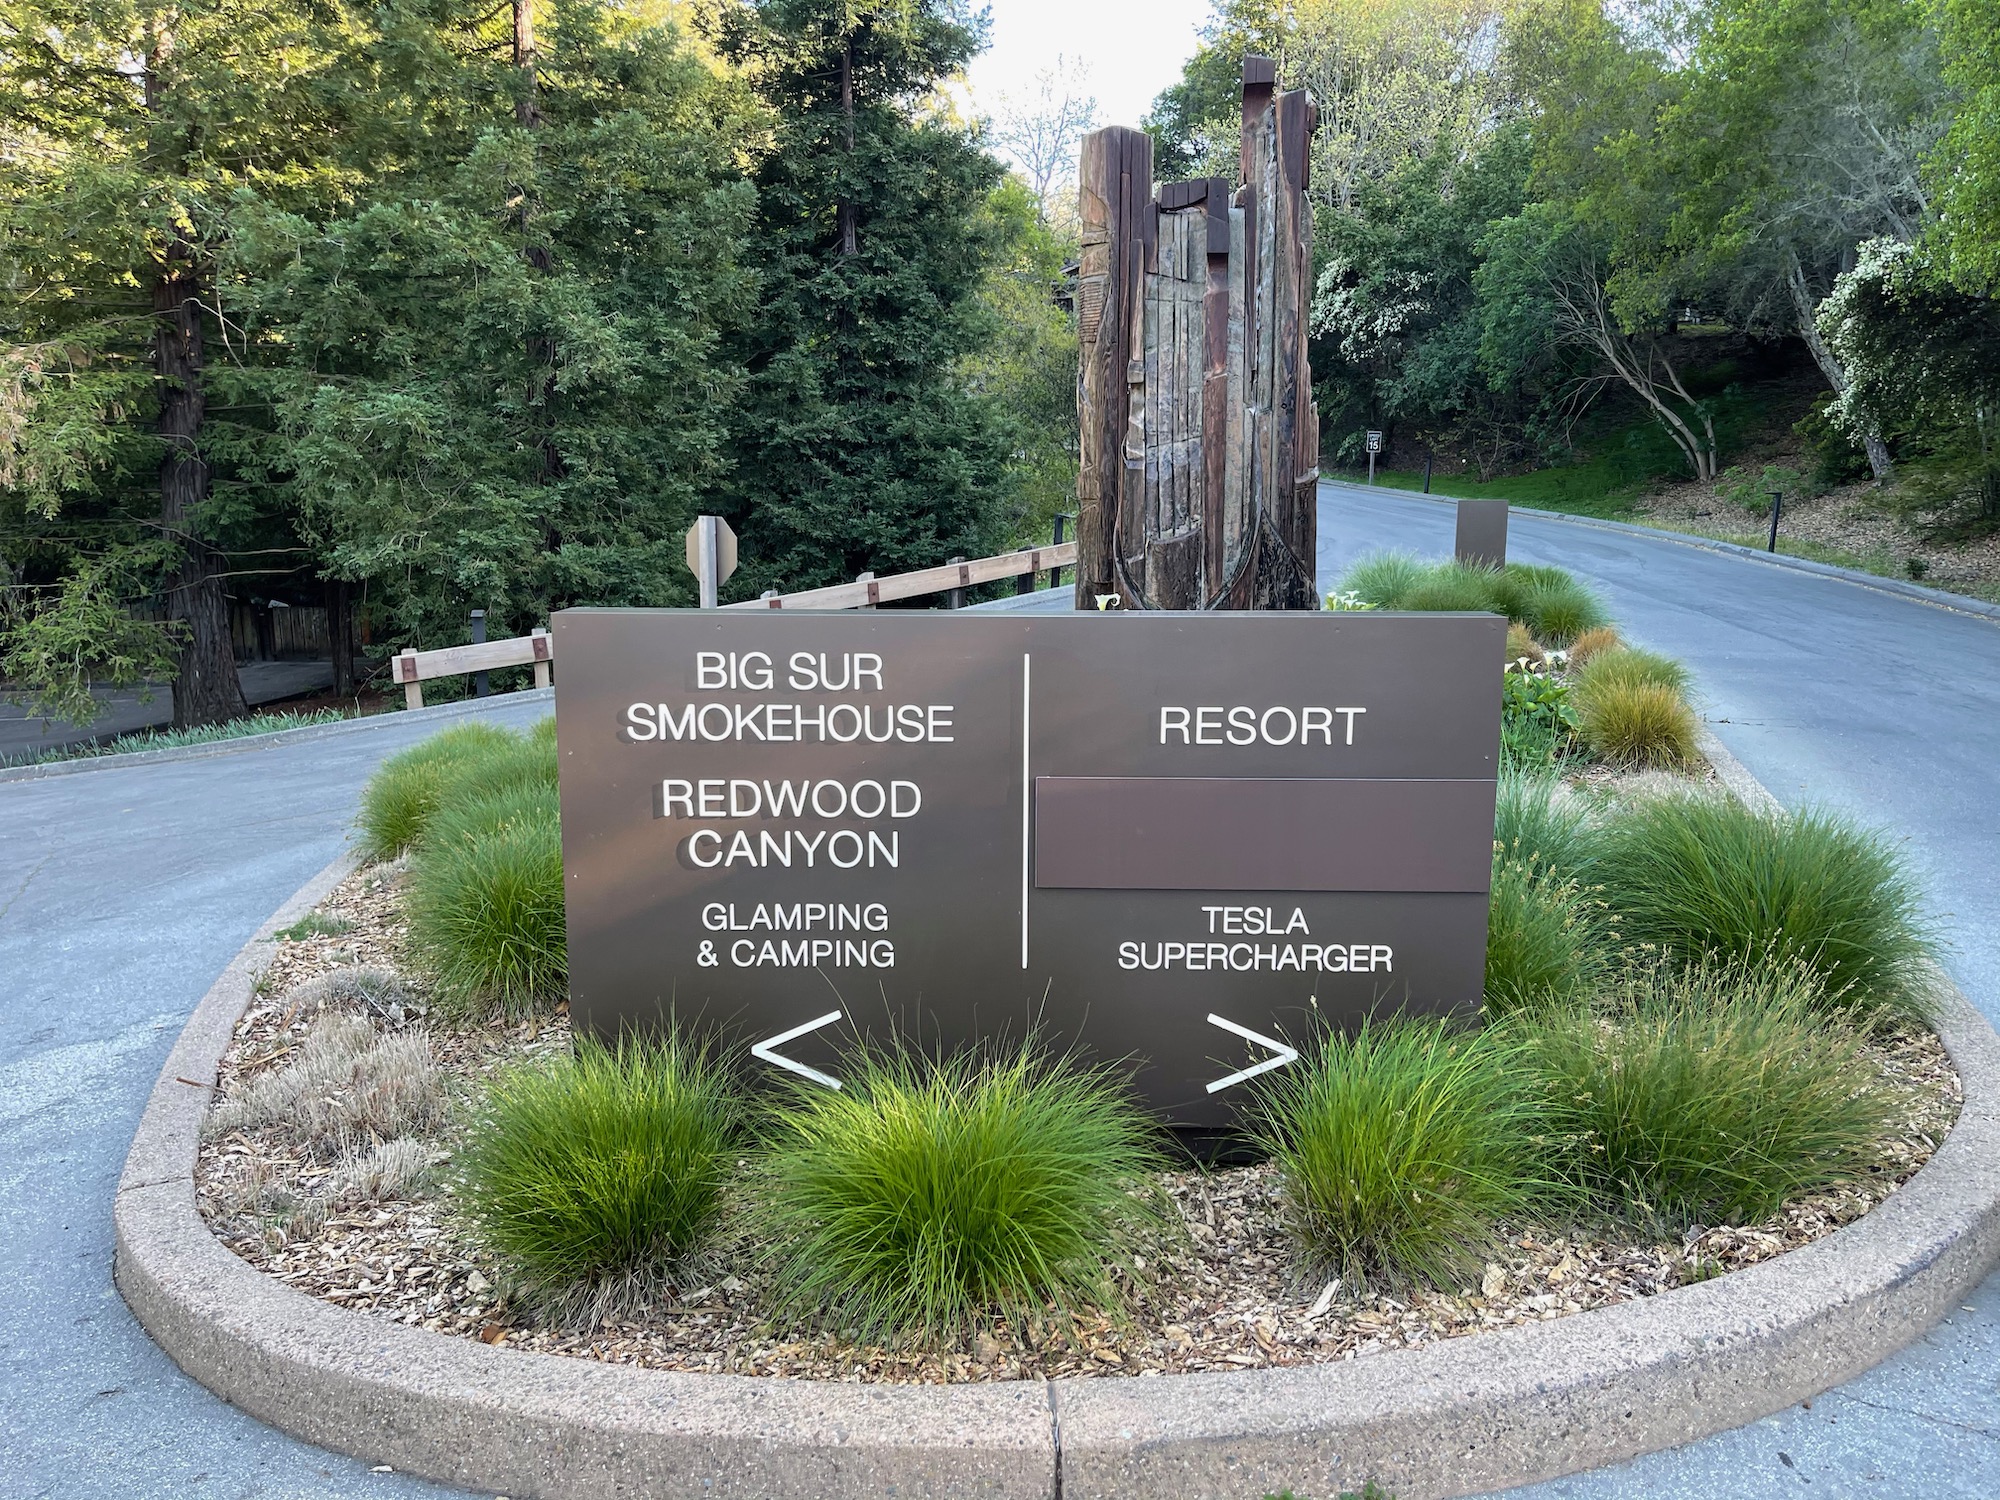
(528, 103)
(1805, 308)
(340, 637)
(849, 230)
(206, 688)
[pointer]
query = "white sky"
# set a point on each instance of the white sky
(1133, 48)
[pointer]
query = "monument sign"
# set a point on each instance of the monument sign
(1175, 838)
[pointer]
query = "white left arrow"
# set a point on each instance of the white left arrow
(1283, 1054)
(766, 1050)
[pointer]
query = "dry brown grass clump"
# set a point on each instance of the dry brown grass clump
(1592, 643)
(1521, 643)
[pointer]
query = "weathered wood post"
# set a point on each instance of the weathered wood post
(1198, 481)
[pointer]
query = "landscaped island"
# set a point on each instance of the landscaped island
(1703, 1042)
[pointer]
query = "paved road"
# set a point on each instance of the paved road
(1838, 693)
(124, 892)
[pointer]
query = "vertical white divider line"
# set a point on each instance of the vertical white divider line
(1027, 798)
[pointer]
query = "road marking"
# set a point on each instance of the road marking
(764, 1050)
(1284, 1053)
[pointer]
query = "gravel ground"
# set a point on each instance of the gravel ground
(344, 1199)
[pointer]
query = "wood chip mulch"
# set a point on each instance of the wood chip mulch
(1227, 1296)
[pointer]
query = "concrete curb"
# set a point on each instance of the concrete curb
(1938, 598)
(437, 713)
(1461, 1417)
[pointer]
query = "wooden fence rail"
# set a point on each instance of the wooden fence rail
(537, 648)
(960, 575)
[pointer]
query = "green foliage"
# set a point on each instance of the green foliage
(1923, 362)
(1537, 719)
(1709, 1094)
(1026, 360)
(405, 793)
(510, 374)
(1700, 875)
(925, 1196)
(1753, 493)
(604, 1166)
(200, 734)
(1549, 602)
(1400, 1143)
(1542, 825)
(78, 632)
(854, 445)
(486, 903)
(1836, 458)
(1637, 724)
(1544, 945)
(1964, 169)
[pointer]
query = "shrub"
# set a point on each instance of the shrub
(1542, 945)
(1628, 664)
(593, 1176)
(1522, 645)
(486, 904)
(924, 1195)
(405, 792)
(1400, 1144)
(1637, 724)
(1709, 1095)
(1594, 643)
(1702, 874)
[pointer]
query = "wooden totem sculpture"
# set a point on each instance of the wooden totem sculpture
(1198, 482)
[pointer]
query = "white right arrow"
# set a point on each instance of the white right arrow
(764, 1050)
(1283, 1053)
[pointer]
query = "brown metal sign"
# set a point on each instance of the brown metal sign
(1174, 838)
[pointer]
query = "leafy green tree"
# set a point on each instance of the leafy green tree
(1964, 170)
(1924, 364)
(1026, 361)
(508, 377)
(134, 136)
(857, 444)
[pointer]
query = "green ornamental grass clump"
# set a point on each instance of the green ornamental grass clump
(486, 903)
(1631, 665)
(924, 1196)
(1640, 724)
(1699, 874)
(593, 1176)
(1709, 1094)
(1547, 601)
(1539, 822)
(403, 795)
(1400, 1144)
(1544, 944)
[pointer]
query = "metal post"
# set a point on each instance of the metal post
(1777, 507)
(954, 598)
(1427, 473)
(708, 559)
(481, 688)
(1371, 465)
(1055, 574)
